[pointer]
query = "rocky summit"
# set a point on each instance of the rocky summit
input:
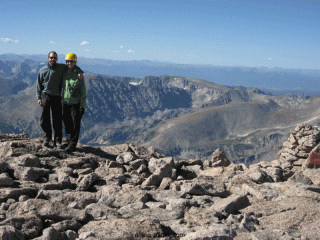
(132, 192)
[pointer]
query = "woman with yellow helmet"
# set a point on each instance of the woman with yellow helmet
(74, 97)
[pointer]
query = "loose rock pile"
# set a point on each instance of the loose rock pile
(130, 192)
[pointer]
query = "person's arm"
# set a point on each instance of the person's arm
(39, 89)
(63, 86)
(80, 73)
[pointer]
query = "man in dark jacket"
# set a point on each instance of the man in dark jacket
(49, 84)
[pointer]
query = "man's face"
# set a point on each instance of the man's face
(53, 58)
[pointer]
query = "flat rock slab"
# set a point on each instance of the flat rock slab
(124, 229)
(83, 199)
(116, 196)
(157, 213)
(214, 232)
(294, 214)
(47, 210)
(203, 186)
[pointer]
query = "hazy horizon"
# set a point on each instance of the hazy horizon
(61, 60)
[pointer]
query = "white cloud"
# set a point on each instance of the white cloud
(121, 46)
(116, 51)
(8, 40)
(52, 42)
(270, 59)
(84, 43)
(87, 50)
(130, 51)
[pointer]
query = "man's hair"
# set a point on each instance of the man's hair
(53, 53)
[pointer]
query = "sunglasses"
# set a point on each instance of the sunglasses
(53, 57)
(69, 61)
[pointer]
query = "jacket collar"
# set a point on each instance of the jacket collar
(52, 67)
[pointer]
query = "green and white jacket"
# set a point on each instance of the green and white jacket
(73, 90)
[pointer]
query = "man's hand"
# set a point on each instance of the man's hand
(40, 102)
(82, 111)
(80, 76)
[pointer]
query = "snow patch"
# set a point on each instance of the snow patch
(135, 83)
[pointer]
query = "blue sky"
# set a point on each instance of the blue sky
(253, 33)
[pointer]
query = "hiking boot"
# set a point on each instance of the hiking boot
(46, 143)
(70, 149)
(59, 145)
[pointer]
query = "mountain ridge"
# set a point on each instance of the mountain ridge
(276, 79)
(131, 109)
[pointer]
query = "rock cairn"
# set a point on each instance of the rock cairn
(130, 192)
(297, 149)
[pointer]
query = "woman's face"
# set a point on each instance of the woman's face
(71, 64)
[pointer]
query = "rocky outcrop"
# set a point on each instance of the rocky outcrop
(130, 192)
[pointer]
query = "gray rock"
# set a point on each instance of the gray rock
(248, 223)
(3, 165)
(231, 204)
(142, 169)
(29, 160)
(5, 180)
(203, 186)
(29, 225)
(23, 198)
(137, 163)
(124, 229)
(53, 234)
(200, 217)
(46, 209)
(214, 232)
(125, 210)
(300, 177)
(157, 213)
(10, 233)
(156, 163)
(156, 205)
(6, 193)
(181, 205)
(67, 197)
(275, 173)
(71, 235)
(29, 173)
(126, 157)
(67, 225)
(156, 178)
(87, 181)
(165, 183)
(105, 172)
(100, 211)
(115, 150)
(313, 175)
(113, 164)
(190, 172)
(115, 196)
(219, 159)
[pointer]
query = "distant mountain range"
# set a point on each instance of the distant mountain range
(181, 117)
(276, 80)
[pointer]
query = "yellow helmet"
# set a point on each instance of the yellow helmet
(71, 57)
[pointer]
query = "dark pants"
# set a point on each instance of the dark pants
(52, 103)
(72, 122)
